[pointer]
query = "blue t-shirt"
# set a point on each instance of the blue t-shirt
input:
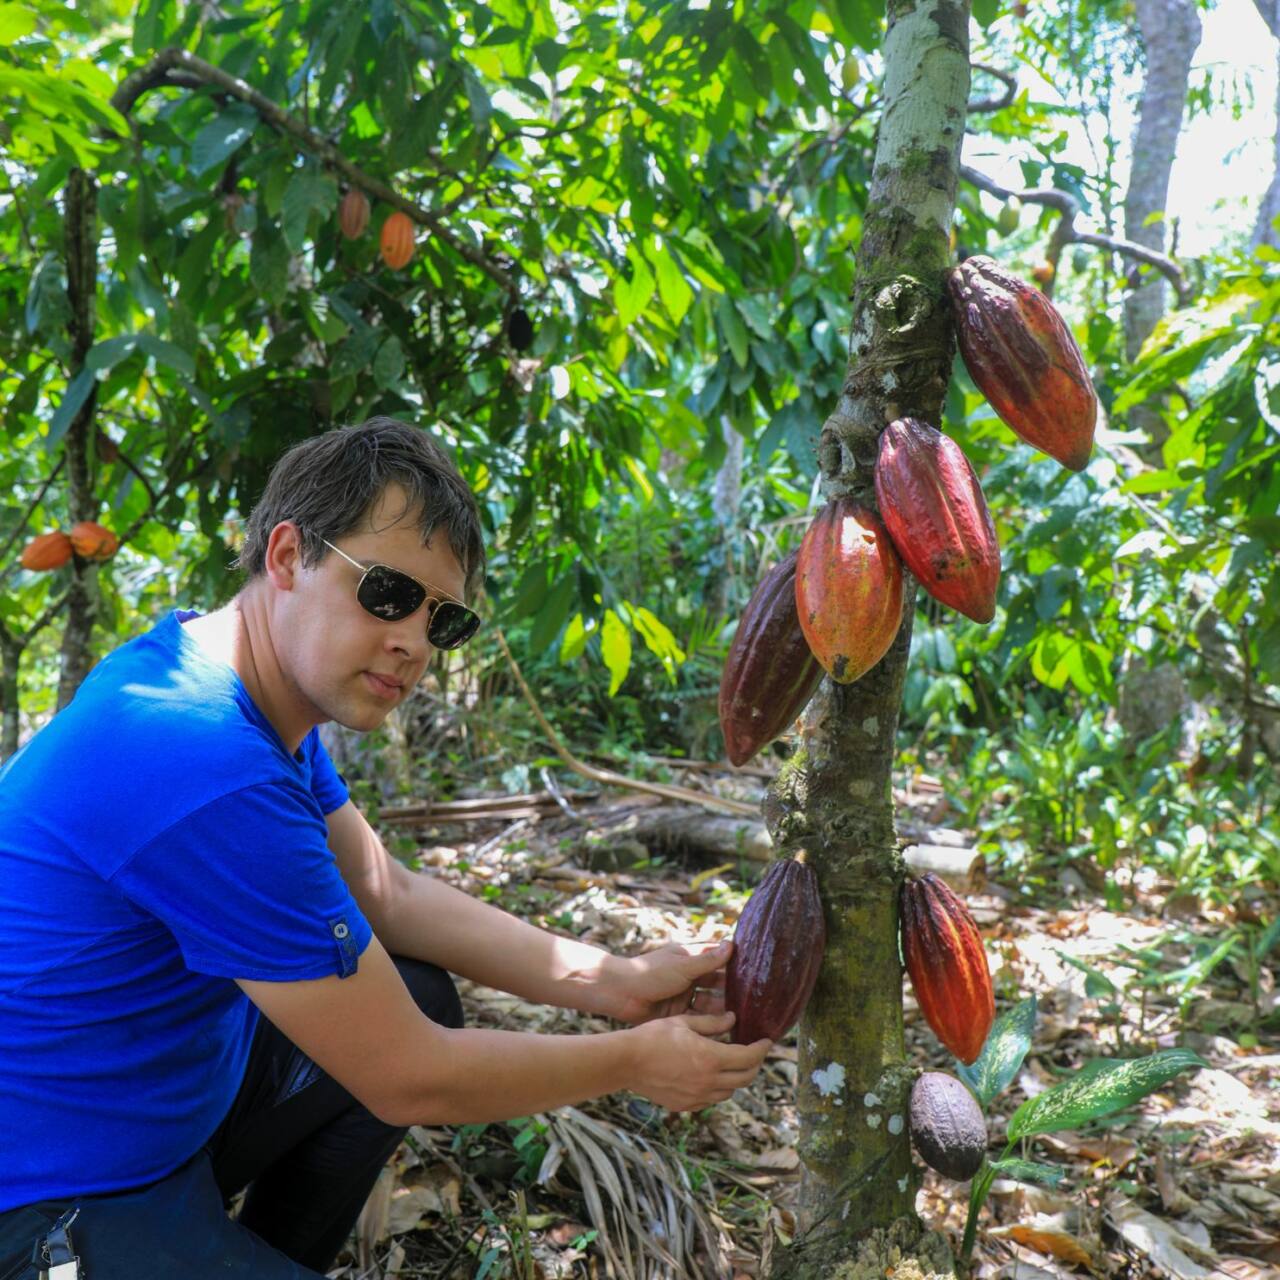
(157, 841)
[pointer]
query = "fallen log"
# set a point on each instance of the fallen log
(693, 833)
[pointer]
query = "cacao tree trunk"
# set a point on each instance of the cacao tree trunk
(1264, 230)
(1170, 32)
(82, 283)
(833, 798)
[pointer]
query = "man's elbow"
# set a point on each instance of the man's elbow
(407, 1098)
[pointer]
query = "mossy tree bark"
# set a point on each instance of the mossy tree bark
(833, 799)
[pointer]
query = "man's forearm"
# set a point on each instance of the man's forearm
(430, 920)
(497, 1075)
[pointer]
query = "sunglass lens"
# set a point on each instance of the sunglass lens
(451, 625)
(389, 594)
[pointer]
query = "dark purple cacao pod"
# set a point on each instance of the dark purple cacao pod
(947, 1127)
(1024, 359)
(777, 953)
(770, 674)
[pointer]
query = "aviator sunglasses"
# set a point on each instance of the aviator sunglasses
(391, 595)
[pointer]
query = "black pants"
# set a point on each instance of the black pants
(307, 1151)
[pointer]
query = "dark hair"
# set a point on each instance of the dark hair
(329, 484)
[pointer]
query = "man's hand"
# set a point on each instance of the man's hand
(679, 1066)
(675, 978)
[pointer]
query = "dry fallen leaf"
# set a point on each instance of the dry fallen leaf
(1046, 1240)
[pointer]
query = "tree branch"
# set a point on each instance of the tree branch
(178, 67)
(1007, 78)
(1066, 233)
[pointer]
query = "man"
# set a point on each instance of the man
(213, 976)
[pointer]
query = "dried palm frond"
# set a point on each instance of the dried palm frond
(650, 1221)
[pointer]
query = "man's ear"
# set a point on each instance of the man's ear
(283, 559)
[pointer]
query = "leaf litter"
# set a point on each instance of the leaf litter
(1184, 1184)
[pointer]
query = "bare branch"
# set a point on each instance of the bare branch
(1007, 78)
(177, 66)
(1069, 208)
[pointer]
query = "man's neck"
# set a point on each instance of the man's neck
(230, 635)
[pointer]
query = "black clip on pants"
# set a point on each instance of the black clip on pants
(307, 1151)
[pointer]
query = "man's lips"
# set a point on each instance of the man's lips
(384, 686)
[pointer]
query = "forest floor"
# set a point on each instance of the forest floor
(1186, 1184)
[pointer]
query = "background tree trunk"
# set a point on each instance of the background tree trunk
(1170, 35)
(1264, 230)
(833, 799)
(82, 284)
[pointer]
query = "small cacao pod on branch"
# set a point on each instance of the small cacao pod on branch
(947, 1127)
(48, 551)
(948, 967)
(353, 214)
(770, 674)
(91, 541)
(396, 241)
(848, 589)
(777, 952)
(934, 509)
(1024, 359)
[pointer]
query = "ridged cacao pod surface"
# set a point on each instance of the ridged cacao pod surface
(48, 551)
(353, 214)
(777, 952)
(936, 514)
(848, 589)
(947, 1127)
(91, 541)
(396, 241)
(948, 966)
(1024, 359)
(770, 674)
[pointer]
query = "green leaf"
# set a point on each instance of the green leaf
(388, 364)
(632, 296)
(1003, 1053)
(673, 289)
(307, 192)
(1108, 1086)
(167, 353)
(659, 639)
(552, 613)
(615, 647)
(16, 21)
(222, 137)
(1028, 1171)
(73, 399)
(732, 330)
(986, 11)
(269, 264)
(575, 639)
(108, 353)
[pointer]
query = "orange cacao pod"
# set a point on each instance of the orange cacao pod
(777, 952)
(769, 674)
(91, 541)
(396, 241)
(1024, 359)
(932, 505)
(848, 590)
(353, 214)
(48, 551)
(948, 966)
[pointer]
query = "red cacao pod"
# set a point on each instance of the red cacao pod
(1021, 354)
(48, 551)
(848, 589)
(948, 966)
(932, 505)
(353, 214)
(396, 242)
(947, 1127)
(91, 541)
(777, 952)
(770, 673)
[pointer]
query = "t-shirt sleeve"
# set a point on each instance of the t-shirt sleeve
(327, 784)
(249, 889)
